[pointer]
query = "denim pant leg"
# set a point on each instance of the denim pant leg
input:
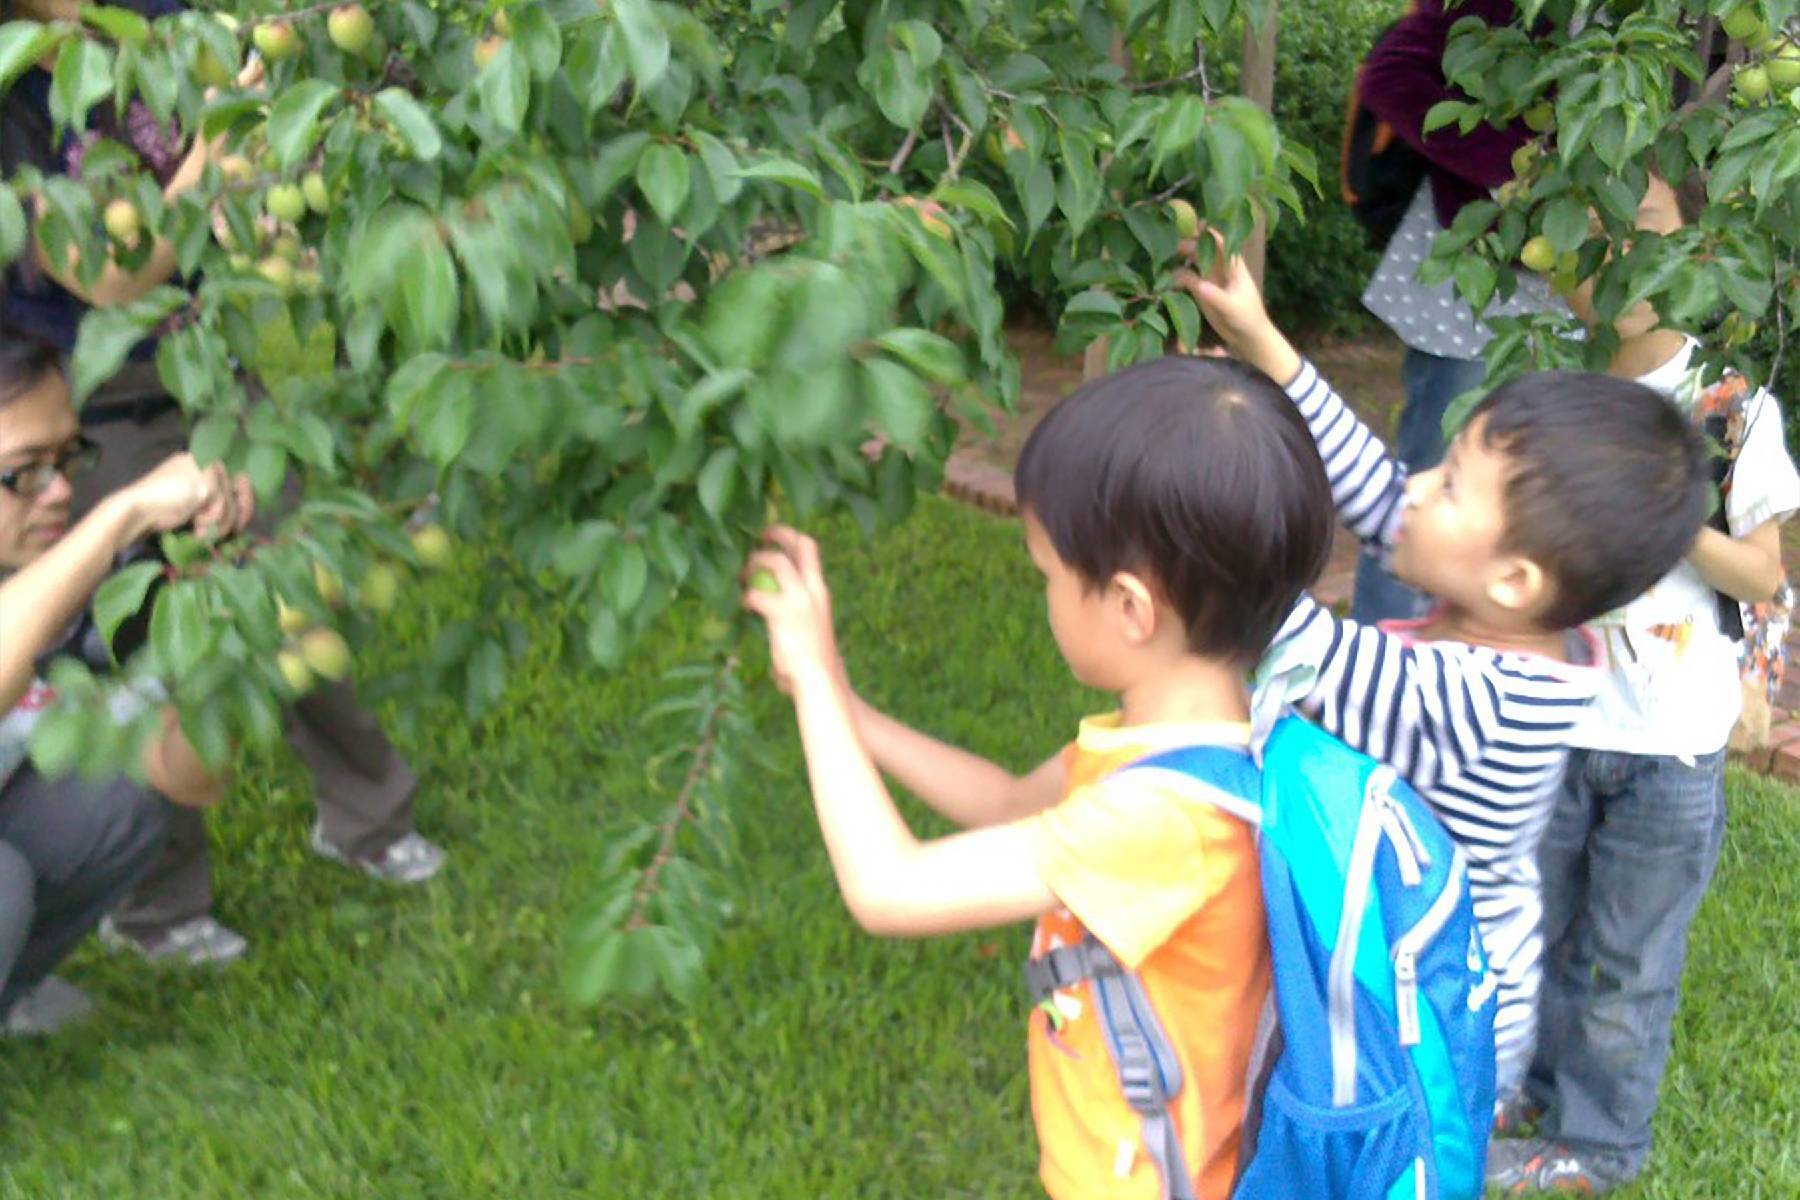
(1568, 965)
(1431, 384)
(1659, 824)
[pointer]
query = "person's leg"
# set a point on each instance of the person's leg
(86, 843)
(1652, 858)
(1431, 384)
(18, 907)
(1562, 867)
(168, 916)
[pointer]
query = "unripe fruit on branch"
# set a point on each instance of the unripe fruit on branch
(326, 582)
(351, 29)
(432, 545)
(285, 202)
(121, 220)
(1187, 221)
(276, 40)
(316, 194)
(291, 620)
(326, 652)
(294, 671)
(1539, 255)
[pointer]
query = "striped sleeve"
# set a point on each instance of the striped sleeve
(1479, 733)
(1368, 485)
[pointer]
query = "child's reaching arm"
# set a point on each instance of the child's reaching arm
(892, 882)
(1748, 568)
(1368, 485)
(957, 785)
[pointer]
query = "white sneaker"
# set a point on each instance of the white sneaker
(200, 942)
(53, 1005)
(412, 859)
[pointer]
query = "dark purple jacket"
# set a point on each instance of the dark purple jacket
(1404, 76)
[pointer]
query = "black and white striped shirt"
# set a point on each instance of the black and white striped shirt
(1481, 734)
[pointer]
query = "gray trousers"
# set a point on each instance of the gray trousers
(69, 849)
(362, 787)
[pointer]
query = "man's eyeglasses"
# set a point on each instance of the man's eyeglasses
(32, 480)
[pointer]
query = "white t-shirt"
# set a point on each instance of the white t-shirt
(1672, 680)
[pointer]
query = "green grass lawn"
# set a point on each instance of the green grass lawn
(401, 1044)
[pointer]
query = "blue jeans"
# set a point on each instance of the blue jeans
(1431, 384)
(1628, 854)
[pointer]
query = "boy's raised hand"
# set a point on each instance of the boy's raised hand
(786, 588)
(1233, 305)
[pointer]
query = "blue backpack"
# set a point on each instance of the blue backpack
(1374, 1079)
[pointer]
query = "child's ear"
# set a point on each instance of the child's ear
(1518, 585)
(1136, 606)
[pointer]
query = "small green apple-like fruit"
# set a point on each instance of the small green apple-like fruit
(1783, 65)
(294, 671)
(1540, 117)
(380, 588)
(1742, 23)
(278, 271)
(276, 40)
(121, 220)
(327, 653)
(211, 70)
(1523, 159)
(1539, 255)
(432, 545)
(290, 619)
(287, 246)
(330, 588)
(315, 193)
(350, 28)
(1187, 221)
(765, 581)
(285, 202)
(1752, 84)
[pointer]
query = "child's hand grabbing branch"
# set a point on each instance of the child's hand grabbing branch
(1232, 305)
(796, 608)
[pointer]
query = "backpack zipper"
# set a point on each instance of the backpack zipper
(1371, 826)
(1408, 945)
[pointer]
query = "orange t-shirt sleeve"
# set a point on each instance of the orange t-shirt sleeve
(1126, 861)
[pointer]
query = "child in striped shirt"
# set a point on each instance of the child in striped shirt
(1565, 495)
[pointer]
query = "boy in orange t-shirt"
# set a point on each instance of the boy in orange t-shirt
(1177, 510)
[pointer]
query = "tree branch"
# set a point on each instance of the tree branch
(904, 153)
(684, 803)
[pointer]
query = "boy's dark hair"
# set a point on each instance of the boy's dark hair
(1197, 473)
(25, 359)
(1607, 485)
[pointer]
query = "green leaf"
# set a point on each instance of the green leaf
(22, 44)
(178, 628)
(975, 196)
(1095, 302)
(120, 24)
(679, 963)
(1566, 223)
(717, 483)
(786, 171)
(536, 34)
(932, 355)
(12, 225)
(266, 465)
(294, 120)
(646, 41)
(122, 595)
(1444, 112)
(410, 121)
(83, 77)
(1186, 316)
(662, 175)
(900, 404)
(108, 334)
(505, 88)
